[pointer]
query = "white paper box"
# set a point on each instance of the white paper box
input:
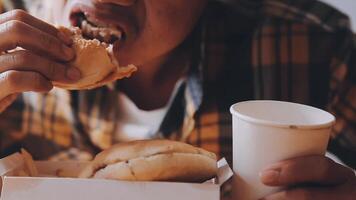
(52, 188)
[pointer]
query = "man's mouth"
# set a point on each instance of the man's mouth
(97, 30)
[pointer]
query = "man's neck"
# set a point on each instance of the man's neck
(152, 85)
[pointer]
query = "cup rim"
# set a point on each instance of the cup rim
(271, 123)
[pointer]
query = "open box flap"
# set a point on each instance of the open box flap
(224, 171)
(10, 163)
(60, 168)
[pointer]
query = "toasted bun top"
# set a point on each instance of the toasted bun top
(95, 60)
(149, 150)
(143, 148)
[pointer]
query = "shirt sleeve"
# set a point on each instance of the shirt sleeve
(343, 102)
(11, 127)
(12, 4)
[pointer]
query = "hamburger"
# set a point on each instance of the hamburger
(94, 58)
(153, 160)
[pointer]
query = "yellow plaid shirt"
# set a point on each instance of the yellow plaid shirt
(300, 51)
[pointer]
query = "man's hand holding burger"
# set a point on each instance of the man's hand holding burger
(39, 61)
(310, 178)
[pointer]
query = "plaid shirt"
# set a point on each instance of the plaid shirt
(300, 51)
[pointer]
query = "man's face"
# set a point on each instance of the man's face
(151, 28)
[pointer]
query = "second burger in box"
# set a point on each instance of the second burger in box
(148, 169)
(153, 160)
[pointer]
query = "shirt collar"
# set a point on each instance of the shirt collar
(179, 121)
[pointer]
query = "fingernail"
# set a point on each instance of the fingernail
(69, 53)
(66, 39)
(73, 74)
(270, 176)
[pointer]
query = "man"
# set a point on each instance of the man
(194, 60)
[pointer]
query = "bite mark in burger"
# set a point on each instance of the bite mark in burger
(153, 160)
(94, 56)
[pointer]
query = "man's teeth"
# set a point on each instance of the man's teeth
(104, 34)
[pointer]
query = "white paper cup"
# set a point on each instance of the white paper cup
(265, 132)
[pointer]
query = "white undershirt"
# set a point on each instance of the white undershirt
(136, 124)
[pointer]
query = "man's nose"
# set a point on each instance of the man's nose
(118, 2)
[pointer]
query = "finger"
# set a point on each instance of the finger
(120, 2)
(311, 169)
(20, 15)
(18, 34)
(7, 101)
(12, 82)
(23, 60)
(310, 194)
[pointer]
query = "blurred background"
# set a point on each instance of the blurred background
(346, 6)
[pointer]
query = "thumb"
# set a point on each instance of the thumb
(304, 170)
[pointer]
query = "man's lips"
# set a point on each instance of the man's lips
(104, 32)
(99, 18)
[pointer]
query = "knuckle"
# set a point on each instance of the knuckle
(15, 30)
(324, 166)
(18, 58)
(24, 56)
(291, 172)
(12, 59)
(37, 81)
(18, 14)
(13, 26)
(46, 41)
(51, 69)
(12, 79)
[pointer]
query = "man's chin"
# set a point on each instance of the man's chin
(126, 57)
(139, 55)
